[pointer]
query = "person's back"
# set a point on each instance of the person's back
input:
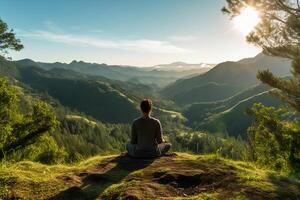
(146, 135)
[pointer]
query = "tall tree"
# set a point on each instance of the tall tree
(8, 39)
(17, 129)
(278, 34)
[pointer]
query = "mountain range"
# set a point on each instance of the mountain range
(158, 76)
(208, 101)
(104, 99)
(224, 80)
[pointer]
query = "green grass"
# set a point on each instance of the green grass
(107, 177)
(77, 117)
(22, 174)
(120, 188)
(172, 113)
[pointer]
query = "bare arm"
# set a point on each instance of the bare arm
(133, 135)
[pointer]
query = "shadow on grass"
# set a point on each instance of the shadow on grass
(285, 188)
(93, 184)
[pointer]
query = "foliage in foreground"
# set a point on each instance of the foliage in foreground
(274, 138)
(21, 123)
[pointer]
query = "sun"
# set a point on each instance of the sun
(247, 20)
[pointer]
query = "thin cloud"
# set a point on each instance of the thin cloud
(153, 46)
(186, 38)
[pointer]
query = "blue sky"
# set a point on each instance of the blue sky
(127, 32)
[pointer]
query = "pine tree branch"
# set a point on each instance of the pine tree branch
(274, 17)
(287, 8)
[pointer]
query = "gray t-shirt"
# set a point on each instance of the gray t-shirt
(146, 133)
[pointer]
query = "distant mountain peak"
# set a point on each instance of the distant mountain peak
(28, 62)
(178, 63)
(25, 60)
(77, 62)
(73, 62)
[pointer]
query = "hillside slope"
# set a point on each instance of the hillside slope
(235, 120)
(93, 97)
(236, 75)
(197, 112)
(208, 92)
(178, 176)
(229, 115)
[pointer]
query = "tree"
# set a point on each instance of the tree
(17, 129)
(8, 39)
(278, 34)
(273, 139)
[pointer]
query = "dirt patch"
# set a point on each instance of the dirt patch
(181, 180)
(193, 182)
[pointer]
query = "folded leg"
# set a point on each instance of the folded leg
(164, 148)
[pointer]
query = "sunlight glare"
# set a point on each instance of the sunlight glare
(247, 20)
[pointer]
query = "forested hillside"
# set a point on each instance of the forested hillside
(219, 116)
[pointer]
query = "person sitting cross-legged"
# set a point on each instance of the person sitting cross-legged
(146, 135)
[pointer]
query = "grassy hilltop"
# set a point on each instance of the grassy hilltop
(179, 176)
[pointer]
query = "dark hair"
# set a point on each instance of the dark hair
(146, 105)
